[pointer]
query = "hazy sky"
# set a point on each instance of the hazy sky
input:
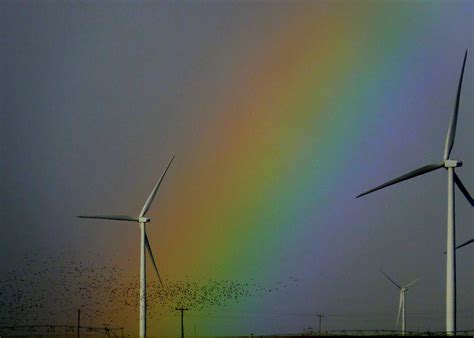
(279, 113)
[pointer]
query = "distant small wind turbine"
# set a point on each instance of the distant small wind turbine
(449, 164)
(145, 245)
(402, 304)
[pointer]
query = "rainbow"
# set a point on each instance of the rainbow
(285, 126)
(265, 170)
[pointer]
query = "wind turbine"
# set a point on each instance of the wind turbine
(402, 304)
(144, 245)
(449, 164)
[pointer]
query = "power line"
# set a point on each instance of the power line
(312, 314)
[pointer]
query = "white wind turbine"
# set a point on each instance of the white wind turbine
(449, 164)
(402, 304)
(144, 245)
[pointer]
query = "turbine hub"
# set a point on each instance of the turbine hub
(143, 220)
(452, 163)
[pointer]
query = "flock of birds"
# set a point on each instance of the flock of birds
(197, 295)
(50, 291)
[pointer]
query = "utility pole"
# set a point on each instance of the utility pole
(320, 318)
(182, 319)
(78, 322)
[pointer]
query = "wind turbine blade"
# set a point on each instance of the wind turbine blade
(463, 189)
(113, 217)
(399, 309)
(411, 174)
(390, 279)
(148, 247)
(153, 192)
(464, 244)
(412, 282)
(454, 118)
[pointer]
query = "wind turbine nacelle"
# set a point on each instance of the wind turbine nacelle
(452, 163)
(143, 220)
